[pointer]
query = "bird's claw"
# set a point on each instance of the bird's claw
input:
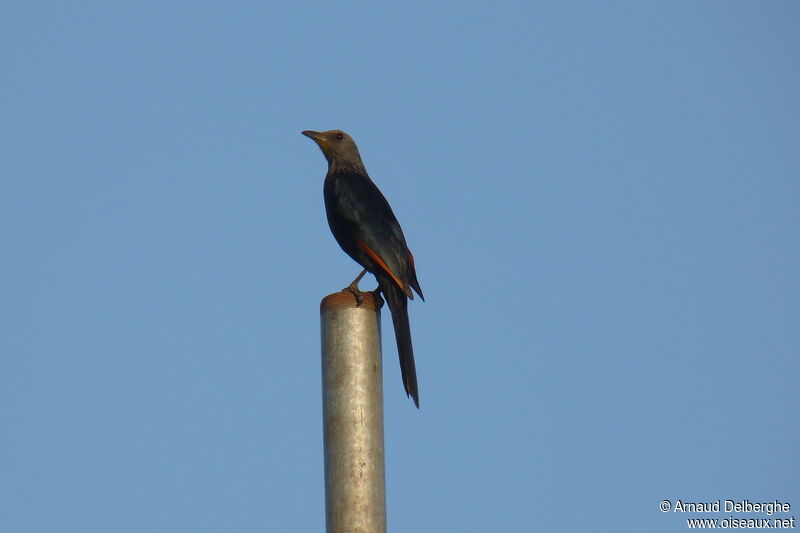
(356, 292)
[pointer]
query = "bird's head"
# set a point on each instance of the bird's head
(338, 147)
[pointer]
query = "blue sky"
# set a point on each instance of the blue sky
(602, 204)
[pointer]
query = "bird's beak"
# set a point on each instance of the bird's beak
(318, 138)
(315, 135)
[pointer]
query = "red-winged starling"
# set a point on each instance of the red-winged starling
(365, 227)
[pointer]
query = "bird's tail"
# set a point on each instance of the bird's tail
(398, 305)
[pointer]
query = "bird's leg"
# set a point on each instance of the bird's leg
(354, 290)
(377, 295)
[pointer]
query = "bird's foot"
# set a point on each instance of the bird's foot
(377, 295)
(354, 290)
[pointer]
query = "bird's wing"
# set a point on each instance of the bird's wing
(372, 254)
(360, 206)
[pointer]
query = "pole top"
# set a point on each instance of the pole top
(346, 299)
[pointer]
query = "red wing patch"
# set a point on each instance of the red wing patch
(381, 263)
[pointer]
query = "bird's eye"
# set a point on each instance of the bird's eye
(339, 136)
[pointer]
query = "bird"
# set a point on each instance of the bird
(364, 225)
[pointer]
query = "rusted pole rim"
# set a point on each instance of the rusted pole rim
(346, 299)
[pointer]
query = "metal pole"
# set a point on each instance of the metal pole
(352, 414)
